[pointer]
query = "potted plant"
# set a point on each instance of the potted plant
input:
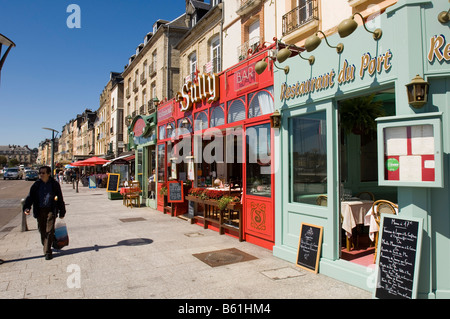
(163, 190)
(358, 115)
(223, 202)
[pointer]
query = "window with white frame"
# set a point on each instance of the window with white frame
(192, 64)
(215, 53)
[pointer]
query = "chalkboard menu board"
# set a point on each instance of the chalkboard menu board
(113, 183)
(398, 257)
(175, 192)
(309, 246)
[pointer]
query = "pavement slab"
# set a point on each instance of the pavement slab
(116, 252)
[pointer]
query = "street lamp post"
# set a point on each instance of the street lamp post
(5, 41)
(53, 147)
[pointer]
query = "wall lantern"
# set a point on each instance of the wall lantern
(128, 120)
(285, 53)
(417, 91)
(262, 65)
(275, 119)
(314, 41)
(282, 55)
(444, 16)
(346, 27)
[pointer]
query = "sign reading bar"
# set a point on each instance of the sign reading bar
(309, 246)
(113, 183)
(398, 257)
(175, 192)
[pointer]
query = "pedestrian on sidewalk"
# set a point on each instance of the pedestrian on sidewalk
(47, 200)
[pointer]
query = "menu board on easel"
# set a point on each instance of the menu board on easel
(398, 256)
(309, 246)
(113, 183)
(175, 192)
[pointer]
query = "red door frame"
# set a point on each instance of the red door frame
(260, 232)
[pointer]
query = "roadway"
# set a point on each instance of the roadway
(11, 193)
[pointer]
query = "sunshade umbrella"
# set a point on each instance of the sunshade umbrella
(95, 161)
(80, 163)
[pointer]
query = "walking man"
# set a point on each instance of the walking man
(47, 200)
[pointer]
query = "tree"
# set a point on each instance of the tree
(3, 161)
(13, 162)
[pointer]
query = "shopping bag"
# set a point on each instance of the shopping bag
(61, 235)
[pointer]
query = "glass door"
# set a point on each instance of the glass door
(258, 182)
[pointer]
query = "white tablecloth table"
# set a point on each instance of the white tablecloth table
(353, 213)
(369, 220)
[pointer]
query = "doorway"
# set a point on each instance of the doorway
(358, 173)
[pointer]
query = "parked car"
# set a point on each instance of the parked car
(13, 173)
(31, 175)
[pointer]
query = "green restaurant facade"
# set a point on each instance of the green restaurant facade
(317, 152)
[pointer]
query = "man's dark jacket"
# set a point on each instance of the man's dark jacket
(58, 207)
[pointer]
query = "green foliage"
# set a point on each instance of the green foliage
(224, 201)
(358, 115)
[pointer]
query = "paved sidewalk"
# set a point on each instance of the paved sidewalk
(119, 252)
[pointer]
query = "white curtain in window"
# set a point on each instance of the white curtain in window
(217, 117)
(201, 122)
(261, 103)
(236, 110)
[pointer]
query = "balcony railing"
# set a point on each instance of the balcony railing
(143, 78)
(212, 66)
(300, 16)
(251, 46)
(142, 110)
(150, 106)
(135, 86)
(152, 69)
(246, 6)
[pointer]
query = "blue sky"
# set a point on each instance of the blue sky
(56, 72)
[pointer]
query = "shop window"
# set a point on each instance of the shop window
(308, 158)
(201, 121)
(258, 172)
(161, 162)
(236, 110)
(261, 103)
(162, 132)
(184, 125)
(171, 130)
(217, 116)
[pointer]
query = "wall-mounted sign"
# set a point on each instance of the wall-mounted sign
(245, 78)
(139, 127)
(165, 112)
(410, 151)
(206, 88)
(438, 49)
(369, 65)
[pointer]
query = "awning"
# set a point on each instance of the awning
(127, 157)
(91, 162)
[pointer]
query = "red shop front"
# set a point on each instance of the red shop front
(220, 127)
